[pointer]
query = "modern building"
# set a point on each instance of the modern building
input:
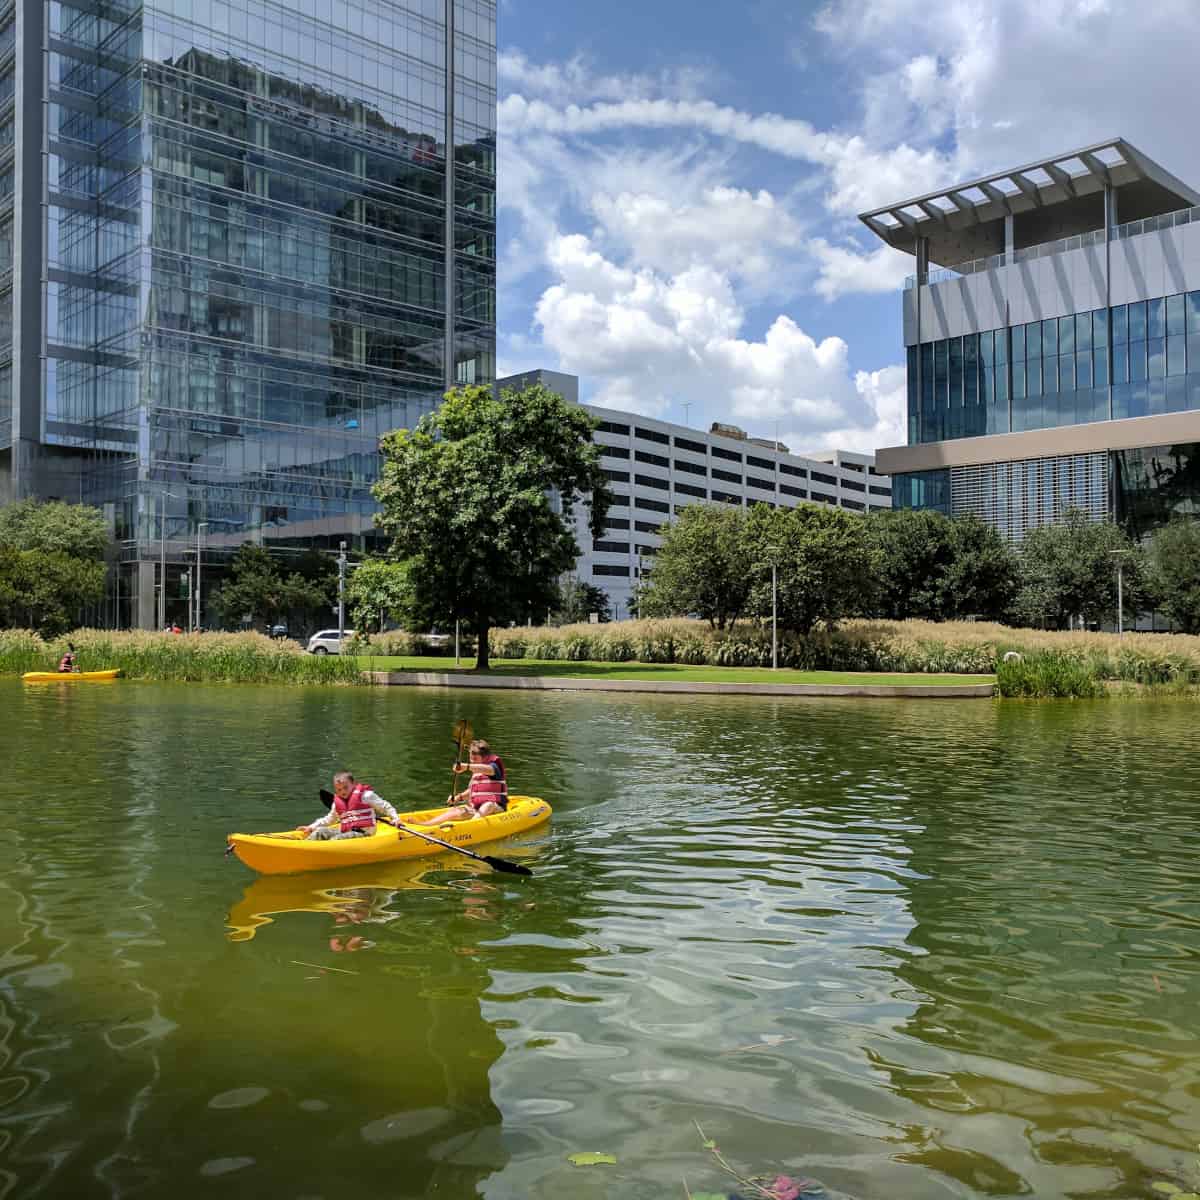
(239, 242)
(1052, 330)
(656, 468)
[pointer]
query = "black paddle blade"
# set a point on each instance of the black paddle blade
(502, 864)
(326, 798)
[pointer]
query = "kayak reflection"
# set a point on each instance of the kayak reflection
(356, 895)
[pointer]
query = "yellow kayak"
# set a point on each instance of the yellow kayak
(69, 676)
(288, 852)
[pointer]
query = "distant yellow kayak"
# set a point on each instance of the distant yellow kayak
(69, 676)
(288, 852)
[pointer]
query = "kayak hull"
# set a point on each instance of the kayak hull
(69, 676)
(289, 852)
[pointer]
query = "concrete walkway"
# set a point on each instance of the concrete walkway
(562, 683)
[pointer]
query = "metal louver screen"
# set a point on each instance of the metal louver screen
(1016, 497)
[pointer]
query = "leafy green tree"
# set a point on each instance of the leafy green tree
(824, 561)
(578, 600)
(51, 563)
(379, 588)
(480, 498)
(915, 549)
(47, 591)
(256, 585)
(981, 578)
(53, 527)
(701, 568)
(1070, 570)
(1173, 572)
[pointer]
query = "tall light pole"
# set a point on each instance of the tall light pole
(774, 552)
(162, 555)
(199, 559)
(341, 593)
(1119, 555)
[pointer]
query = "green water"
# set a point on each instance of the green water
(912, 949)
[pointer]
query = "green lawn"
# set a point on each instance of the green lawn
(676, 672)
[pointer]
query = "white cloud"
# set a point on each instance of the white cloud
(648, 338)
(845, 269)
(884, 394)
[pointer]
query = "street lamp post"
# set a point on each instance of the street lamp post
(162, 555)
(199, 561)
(1119, 555)
(774, 619)
(341, 592)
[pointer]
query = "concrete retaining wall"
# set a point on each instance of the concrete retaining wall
(548, 683)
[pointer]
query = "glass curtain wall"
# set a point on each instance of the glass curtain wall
(958, 387)
(250, 288)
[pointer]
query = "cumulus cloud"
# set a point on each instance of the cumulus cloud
(845, 269)
(647, 337)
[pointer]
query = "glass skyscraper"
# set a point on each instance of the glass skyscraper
(231, 261)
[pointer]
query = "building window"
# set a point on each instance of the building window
(614, 451)
(764, 485)
(726, 497)
(727, 476)
(822, 497)
(647, 551)
(611, 523)
(620, 499)
(655, 460)
(853, 485)
(610, 569)
(610, 547)
(652, 435)
(876, 490)
(687, 444)
(651, 505)
(821, 477)
(651, 481)
(788, 469)
(616, 476)
(858, 505)
(612, 427)
(691, 468)
(686, 489)
(788, 490)
(763, 464)
(646, 527)
(721, 452)
(849, 466)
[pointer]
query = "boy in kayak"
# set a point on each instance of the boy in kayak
(487, 792)
(353, 811)
(67, 664)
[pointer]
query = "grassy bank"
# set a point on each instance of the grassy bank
(140, 654)
(1052, 664)
(664, 672)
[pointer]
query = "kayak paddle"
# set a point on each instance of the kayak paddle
(497, 864)
(461, 735)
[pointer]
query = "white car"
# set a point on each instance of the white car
(325, 641)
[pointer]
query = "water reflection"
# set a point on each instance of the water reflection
(911, 950)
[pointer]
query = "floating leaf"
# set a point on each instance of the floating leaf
(1167, 1189)
(591, 1159)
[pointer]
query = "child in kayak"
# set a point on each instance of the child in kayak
(67, 664)
(353, 811)
(487, 792)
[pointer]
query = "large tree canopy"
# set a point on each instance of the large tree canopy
(700, 569)
(257, 586)
(51, 563)
(481, 495)
(1173, 572)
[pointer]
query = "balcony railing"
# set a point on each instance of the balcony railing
(1184, 216)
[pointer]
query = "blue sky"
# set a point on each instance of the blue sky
(679, 184)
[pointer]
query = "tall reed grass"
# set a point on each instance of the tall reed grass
(1052, 663)
(141, 654)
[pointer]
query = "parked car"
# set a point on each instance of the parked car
(325, 641)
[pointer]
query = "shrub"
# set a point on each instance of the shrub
(1051, 673)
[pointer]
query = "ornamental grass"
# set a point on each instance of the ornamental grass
(192, 657)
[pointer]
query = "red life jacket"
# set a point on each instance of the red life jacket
(354, 813)
(66, 664)
(489, 787)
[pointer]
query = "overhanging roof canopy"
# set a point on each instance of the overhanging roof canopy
(960, 222)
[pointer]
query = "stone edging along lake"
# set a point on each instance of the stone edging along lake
(567, 684)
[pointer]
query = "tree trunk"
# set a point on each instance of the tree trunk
(482, 662)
